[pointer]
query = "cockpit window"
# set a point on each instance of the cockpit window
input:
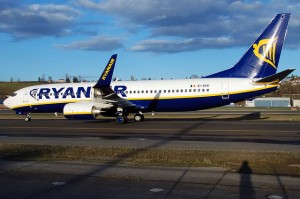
(14, 94)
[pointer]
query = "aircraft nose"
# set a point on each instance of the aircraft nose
(6, 103)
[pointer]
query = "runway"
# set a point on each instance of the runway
(85, 179)
(158, 133)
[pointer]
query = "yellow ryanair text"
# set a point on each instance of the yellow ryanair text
(111, 62)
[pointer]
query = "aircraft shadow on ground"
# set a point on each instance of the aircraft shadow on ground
(217, 117)
(187, 135)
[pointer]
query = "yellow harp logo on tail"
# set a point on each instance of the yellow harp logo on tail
(266, 50)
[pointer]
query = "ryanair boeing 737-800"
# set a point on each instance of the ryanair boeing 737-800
(253, 75)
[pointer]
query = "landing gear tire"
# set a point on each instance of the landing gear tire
(138, 117)
(27, 118)
(121, 119)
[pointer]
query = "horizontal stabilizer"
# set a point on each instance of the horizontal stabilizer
(276, 77)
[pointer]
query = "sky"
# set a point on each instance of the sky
(153, 38)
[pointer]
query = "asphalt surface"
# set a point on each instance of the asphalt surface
(107, 180)
(158, 133)
(225, 111)
(114, 180)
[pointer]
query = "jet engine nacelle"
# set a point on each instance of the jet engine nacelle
(81, 111)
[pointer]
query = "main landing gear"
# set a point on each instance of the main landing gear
(139, 117)
(27, 118)
(122, 118)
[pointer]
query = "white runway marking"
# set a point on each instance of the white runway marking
(156, 190)
(58, 183)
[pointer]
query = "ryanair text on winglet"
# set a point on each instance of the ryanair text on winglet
(111, 62)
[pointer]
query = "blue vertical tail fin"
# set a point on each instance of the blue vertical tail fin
(262, 58)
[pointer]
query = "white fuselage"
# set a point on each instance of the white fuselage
(168, 95)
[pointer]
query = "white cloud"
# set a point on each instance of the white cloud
(150, 21)
(241, 21)
(37, 20)
(181, 45)
(98, 43)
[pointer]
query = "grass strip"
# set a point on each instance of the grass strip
(279, 163)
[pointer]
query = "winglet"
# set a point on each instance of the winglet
(276, 78)
(105, 79)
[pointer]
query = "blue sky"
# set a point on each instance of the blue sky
(153, 38)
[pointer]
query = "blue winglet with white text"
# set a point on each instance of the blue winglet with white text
(106, 77)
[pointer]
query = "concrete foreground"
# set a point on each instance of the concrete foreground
(32, 179)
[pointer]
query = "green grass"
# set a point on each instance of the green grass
(279, 163)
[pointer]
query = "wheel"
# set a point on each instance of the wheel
(121, 119)
(138, 117)
(27, 119)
